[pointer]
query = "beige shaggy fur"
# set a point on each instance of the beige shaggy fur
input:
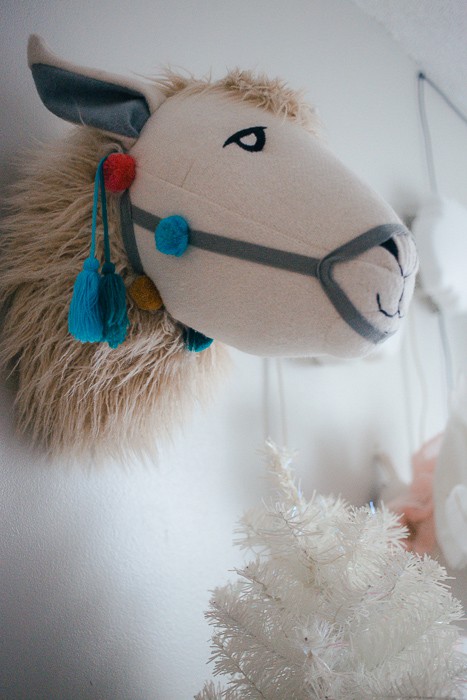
(85, 398)
(270, 94)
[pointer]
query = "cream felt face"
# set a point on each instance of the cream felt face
(288, 253)
(248, 175)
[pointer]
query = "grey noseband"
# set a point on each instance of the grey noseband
(321, 268)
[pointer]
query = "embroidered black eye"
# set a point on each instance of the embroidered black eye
(252, 139)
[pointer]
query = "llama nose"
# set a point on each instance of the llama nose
(402, 248)
(391, 246)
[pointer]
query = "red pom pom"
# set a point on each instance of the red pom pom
(119, 172)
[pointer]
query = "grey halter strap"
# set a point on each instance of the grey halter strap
(321, 268)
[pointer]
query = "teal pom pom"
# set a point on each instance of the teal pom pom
(84, 316)
(196, 341)
(112, 299)
(172, 235)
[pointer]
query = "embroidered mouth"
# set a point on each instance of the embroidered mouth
(396, 314)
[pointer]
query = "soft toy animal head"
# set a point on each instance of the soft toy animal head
(234, 216)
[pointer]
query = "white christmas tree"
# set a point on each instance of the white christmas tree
(332, 606)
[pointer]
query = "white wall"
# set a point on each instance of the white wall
(106, 571)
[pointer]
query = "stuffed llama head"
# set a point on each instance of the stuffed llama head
(236, 224)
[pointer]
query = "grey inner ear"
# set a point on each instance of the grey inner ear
(83, 100)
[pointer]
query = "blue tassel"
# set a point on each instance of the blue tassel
(98, 309)
(112, 300)
(84, 316)
(196, 341)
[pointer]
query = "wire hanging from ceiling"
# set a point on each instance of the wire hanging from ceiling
(422, 79)
(431, 170)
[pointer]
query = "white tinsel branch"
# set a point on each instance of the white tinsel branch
(332, 606)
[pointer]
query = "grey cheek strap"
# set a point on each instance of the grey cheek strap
(322, 268)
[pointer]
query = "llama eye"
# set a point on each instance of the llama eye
(252, 139)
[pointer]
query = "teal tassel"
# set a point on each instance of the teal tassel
(196, 341)
(84, 316)
(98, 309)
(112, 300)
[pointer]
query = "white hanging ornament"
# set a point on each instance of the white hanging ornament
(440, 229)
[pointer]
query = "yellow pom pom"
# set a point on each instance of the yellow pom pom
(145, 295)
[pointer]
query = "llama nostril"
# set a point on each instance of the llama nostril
(391, 246)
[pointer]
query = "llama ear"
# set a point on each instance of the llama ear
(91, 97)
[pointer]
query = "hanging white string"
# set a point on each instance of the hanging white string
(282, 403)
(406, 354)
(447, 354)
(424, 391)
(266, 400)
(269, 404)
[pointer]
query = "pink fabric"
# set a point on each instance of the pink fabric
(415, 505)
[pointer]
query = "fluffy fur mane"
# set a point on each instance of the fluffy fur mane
(75, 397)
(271, 94)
